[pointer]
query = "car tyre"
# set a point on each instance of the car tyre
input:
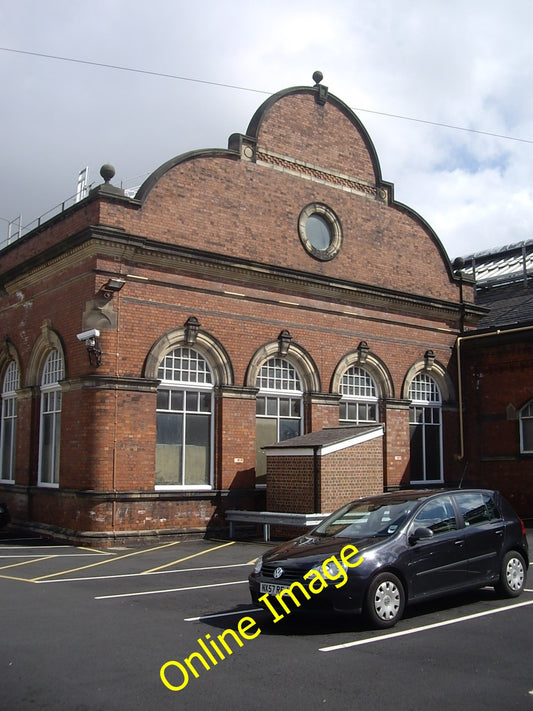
(512, 575)
(385, 600)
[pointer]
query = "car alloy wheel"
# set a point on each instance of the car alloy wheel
(513, 575)
(385, 600)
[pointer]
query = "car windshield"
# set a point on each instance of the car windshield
(366, 519)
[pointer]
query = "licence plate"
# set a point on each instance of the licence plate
(272, 588)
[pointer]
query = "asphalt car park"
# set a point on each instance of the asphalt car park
(92, 629)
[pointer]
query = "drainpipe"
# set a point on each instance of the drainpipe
(460, 339)
(115, 427)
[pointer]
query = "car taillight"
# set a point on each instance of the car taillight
(523, 527)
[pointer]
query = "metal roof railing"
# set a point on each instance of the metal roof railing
(15, 232)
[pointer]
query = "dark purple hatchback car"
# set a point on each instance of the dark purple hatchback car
(416, 545)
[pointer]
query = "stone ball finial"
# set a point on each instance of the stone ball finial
(107, 171)
(317, 77)
(458, 263)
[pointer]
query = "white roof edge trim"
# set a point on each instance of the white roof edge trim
(358, 439)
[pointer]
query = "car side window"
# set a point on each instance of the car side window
(437, 515)
(477, 508)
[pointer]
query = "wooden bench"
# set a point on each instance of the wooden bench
(269, 518)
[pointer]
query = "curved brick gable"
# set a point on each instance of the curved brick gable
(328, 136)
(245, 204)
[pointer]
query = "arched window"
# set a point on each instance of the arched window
(425, 429)
(184, 444)
(50, 430)
(279, 408)
(8, 423)
(359, 403)
(526, 428)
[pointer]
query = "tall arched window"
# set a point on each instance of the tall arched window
(425, 429)
(184, 447)
(359, 403)
(8, 423)
(279, 408)
(50, 430)
(526, 428)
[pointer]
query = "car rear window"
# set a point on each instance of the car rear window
(477, 508)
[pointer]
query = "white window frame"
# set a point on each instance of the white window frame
(358, 387)
(425, 395)
(51, 401)
(525, 415)
(173, 377)
(284, 382)
(278, 379)
(9, 414)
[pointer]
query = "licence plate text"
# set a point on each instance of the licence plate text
(272, 588)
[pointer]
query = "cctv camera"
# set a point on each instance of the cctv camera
(86, 335)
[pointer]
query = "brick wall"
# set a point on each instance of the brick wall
(350, 473)
(396, 444)
(497, 377)
(291, 484)
(305, 484)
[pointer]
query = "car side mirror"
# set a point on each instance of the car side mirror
(419, 534)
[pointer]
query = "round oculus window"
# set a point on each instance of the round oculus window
(320, 231)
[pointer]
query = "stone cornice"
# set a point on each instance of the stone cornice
(109, 382)
(236, 392)
(145, 252)
(322, 398)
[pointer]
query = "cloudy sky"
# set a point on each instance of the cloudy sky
(196, 72)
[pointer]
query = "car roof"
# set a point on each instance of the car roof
(396, 497)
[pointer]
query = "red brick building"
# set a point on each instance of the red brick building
(497, 376)
(153, 345)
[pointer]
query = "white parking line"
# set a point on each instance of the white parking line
(29, 548)
(140, 575)
(221, 614)
(58, 555)
(161, 592)
(415, 630)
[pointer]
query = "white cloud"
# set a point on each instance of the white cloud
(445, 61)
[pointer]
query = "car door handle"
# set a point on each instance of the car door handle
(460, 542)
(499, 532)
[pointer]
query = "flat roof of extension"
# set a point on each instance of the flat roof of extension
(330, 439)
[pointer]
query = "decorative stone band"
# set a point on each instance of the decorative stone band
(312, 173)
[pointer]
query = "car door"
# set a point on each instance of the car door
(437, 564)
(484, 534)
